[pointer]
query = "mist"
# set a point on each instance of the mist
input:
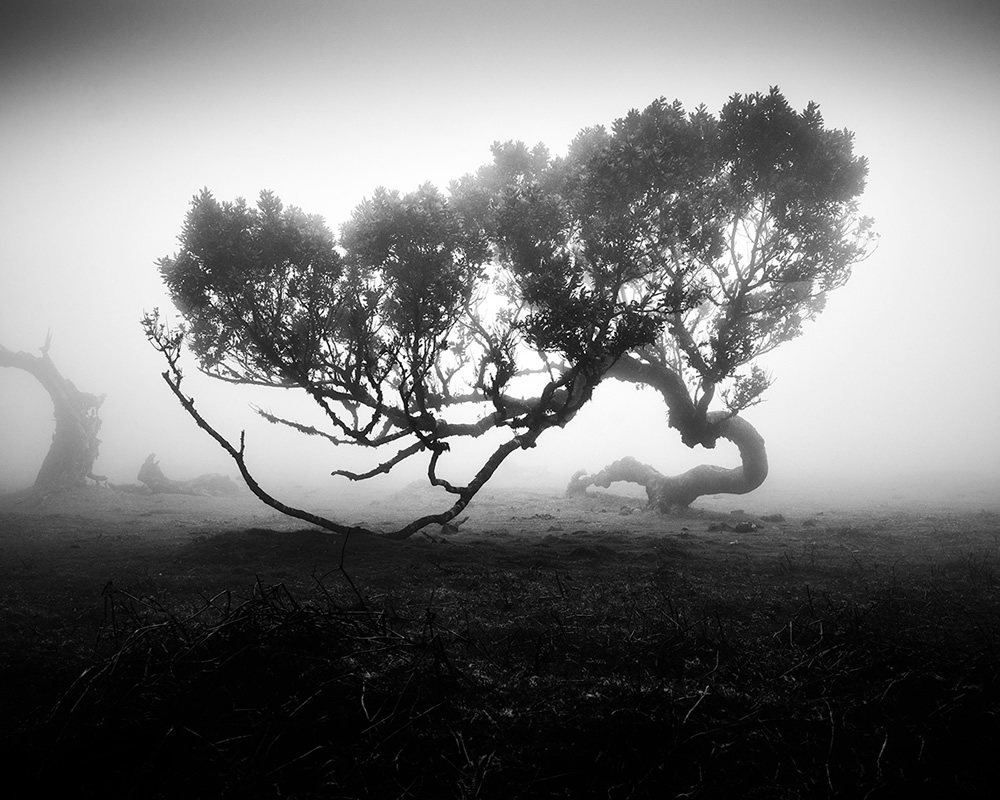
(115, 114)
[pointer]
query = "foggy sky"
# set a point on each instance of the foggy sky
(114, 114)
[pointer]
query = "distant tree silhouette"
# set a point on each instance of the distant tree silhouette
(669, 251)
(75, 446)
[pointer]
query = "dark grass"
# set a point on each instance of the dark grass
(596, 676)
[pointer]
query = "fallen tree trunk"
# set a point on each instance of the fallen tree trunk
(211, 484)
(667, 492)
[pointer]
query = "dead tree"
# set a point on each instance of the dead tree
(210, 484)
(75, 446)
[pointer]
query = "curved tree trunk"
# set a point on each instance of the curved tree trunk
(698, 427)
(666, 492)
(75, 446)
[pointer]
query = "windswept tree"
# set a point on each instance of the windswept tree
(75, 446)
(670, 251)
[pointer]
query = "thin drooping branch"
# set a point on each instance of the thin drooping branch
(173, 380)
(385, 467)
(169, 343)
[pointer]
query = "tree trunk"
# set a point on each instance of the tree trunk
(697, 427)
(666, 492)
(75, 446)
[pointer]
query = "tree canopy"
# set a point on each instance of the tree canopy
(671, 250)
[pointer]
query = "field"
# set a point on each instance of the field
(166, 646)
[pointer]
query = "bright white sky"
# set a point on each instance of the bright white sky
(114, 113)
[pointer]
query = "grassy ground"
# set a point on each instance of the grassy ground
(189, 647)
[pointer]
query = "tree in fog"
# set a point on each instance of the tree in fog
(75, 446)
(670, 251)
